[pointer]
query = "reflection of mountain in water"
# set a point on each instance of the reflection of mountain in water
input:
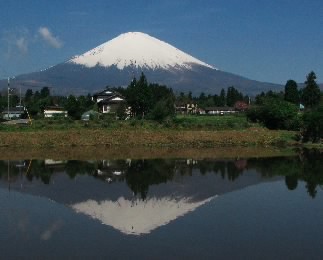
(138, 216)
(138, 196)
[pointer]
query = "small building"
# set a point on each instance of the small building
(54, 111)
(186, 108)
(219, 110)
(13, 113)
(108, 101)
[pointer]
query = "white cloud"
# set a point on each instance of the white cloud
(22, 44)
(48, 37)
(54, 227)
(16, 41)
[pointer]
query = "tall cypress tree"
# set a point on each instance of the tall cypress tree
(222, 99)
(311, 92)
(233, 95)
(139, 96)
(291, 92)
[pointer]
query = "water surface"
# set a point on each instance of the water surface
(268, 208)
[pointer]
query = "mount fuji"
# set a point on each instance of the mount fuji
(117, 61)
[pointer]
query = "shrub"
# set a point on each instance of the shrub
(312, 129)
(275, 114)
(162, 110)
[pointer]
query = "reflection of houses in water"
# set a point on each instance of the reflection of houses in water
(241, 164)
(191, 162)
(111, 171)
(12, 170)
(51, 162)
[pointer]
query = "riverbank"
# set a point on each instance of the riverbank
(114, 153)
(145, 138)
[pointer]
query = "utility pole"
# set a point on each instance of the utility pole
(8, 95)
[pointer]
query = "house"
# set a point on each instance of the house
(54, 111)
(219, 110)
(13, 113)
(108, 101)
(186, 108)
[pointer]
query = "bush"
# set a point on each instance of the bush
(312, 129)
(162, 110)
(275, 114)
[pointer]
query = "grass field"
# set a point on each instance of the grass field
(181, 132)
(180, 122)
(215, 122)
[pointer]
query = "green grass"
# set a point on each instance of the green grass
(212, 122)
(187, 122)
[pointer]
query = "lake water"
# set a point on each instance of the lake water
(250, 208)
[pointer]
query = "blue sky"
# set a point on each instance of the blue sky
(270, 41)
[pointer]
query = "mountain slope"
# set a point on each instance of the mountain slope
(136, 50)
(116, 62)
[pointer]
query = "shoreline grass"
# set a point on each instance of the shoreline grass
(181, 132)
(140, 136)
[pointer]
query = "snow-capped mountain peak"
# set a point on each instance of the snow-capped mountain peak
(137, 49)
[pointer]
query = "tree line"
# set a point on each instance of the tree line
(141, 174)
(275, 110)
(281, 110)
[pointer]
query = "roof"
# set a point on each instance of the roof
(103, 93)
(18, 109)
(112, 99)
(106, 93)
(56, 108)
(219, 108)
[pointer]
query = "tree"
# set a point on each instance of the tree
(233, 95)
(28, 95)
(73, 107)
(139, 96)
(291, 92)
(163, 109)
(311, 92)
(190, 96)
(86, 103)
(204, 101)
(44, 92)
(222, 98)
(262, 97)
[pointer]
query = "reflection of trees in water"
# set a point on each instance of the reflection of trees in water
(291, 181)
(228, 169)
(312, 169)
(306, 167)
(18, 168)
(40, 171)
(141, 174)
(74, 168)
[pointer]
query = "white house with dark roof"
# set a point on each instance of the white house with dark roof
(108, 101)
(54, 111)
(13, 113)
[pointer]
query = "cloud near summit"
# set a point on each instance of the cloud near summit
(48, 37)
